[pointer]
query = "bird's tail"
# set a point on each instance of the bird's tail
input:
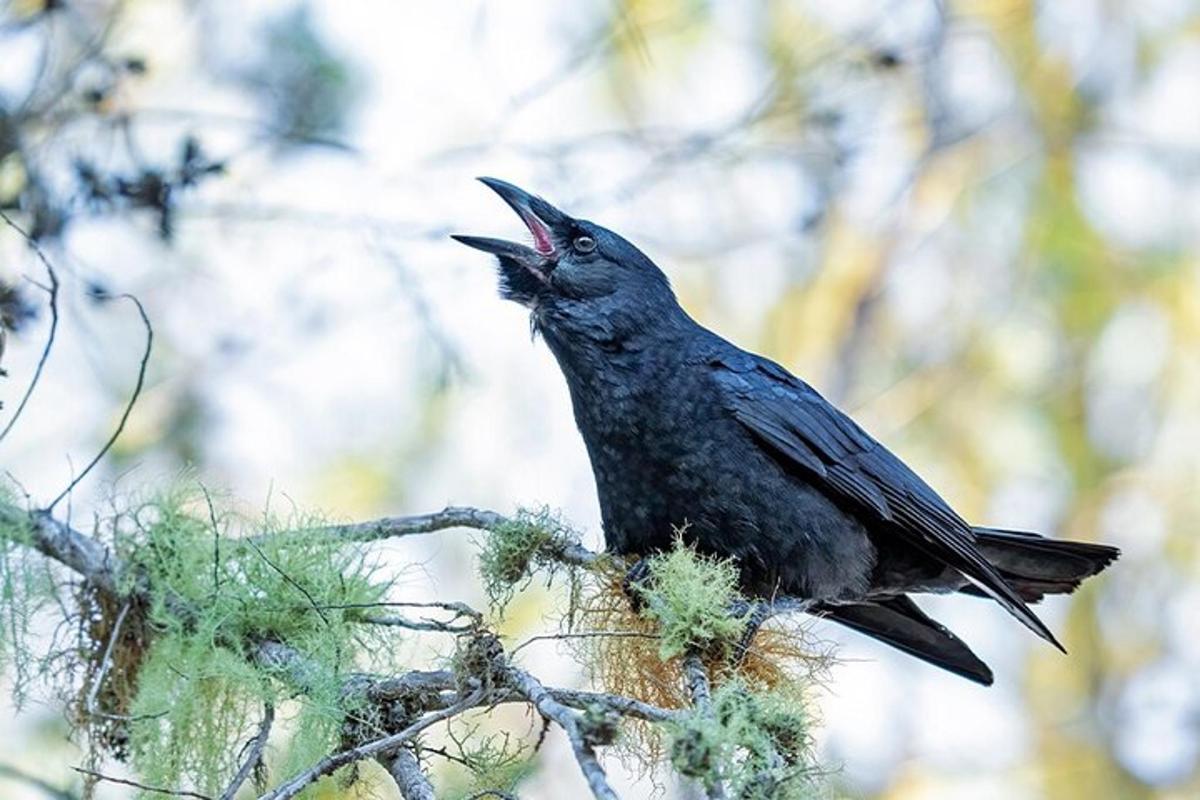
(898, 622)
(1036, 566)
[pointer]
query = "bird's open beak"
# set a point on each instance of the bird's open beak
(542, 220)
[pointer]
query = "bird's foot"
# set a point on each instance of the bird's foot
(758, 614)
(635, 583)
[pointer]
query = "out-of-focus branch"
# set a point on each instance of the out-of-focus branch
(133, 398)
(52, 291)
(47, 788)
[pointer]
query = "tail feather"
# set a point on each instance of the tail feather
(1036, 566)
(897, 621)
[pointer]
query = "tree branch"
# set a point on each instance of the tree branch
(45, 786)
(254, 758)
(700, 692)
(567, 719)
(383, 746)
(396, 527)
(410, 779)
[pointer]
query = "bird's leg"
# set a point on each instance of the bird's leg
(758, 614)
(634, 583)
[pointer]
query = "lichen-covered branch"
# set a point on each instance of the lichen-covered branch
(254, 758)
(691, 601)
(378, 747)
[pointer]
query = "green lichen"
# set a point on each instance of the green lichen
(24, 588)
(510, 553)
(757, 744)
(690, 596)
(487, 764)
(212, 598)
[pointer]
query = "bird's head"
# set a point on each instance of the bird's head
(573, 270)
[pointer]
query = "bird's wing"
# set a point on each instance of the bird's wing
(809, 434)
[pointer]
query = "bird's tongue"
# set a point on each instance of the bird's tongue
(541, 234)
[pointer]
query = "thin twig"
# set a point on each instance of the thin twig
(133, 398)
(142, 786)
(53, 292)
(254, 758)
(106, 661)
(212, 517)
(297, 784)
(545, 637)
(292, 582)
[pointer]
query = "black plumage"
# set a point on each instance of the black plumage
(686, 430)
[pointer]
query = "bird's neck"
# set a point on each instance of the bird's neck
(614, 373)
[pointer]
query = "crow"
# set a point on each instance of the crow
(686, 431)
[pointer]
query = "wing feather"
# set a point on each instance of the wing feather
(839, 457)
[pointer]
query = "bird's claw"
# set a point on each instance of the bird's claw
(634, 584)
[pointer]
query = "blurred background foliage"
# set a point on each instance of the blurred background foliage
(975, 225)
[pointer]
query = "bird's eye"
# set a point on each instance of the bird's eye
(584, 244)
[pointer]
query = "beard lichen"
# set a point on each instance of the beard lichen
(168, 674)
(24, 588)
(201, 686)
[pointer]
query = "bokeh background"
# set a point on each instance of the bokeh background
(975, 225)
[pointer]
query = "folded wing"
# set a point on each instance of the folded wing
(830, 451)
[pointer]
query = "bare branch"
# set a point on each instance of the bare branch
(567, 719)
(106, 661)
(570, 553)
(428, 625)
(395, 527)
(410, 779)
(52, 290)
(553, 637)
(626, 706)
(326, 766)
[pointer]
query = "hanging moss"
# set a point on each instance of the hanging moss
(24, 587)
(199, 688)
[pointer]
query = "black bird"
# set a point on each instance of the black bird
(684, 428)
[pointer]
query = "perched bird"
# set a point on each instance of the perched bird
(684, 428)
